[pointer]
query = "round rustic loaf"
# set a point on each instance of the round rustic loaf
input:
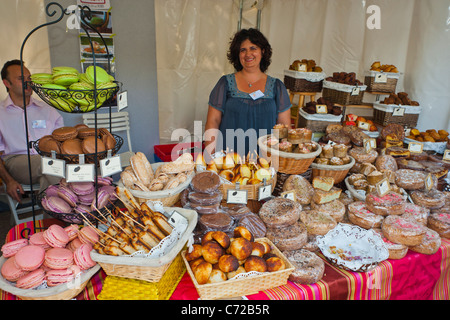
(403, 230)
(316, 222)
(359, 214)
(292, 237)
(391, 203)
(302, 188)
(309, 268)
(280, 212)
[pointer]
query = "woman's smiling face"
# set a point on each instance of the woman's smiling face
(250, 54)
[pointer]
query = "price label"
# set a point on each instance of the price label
(122, 100)
(288, 195)
(264, 192)
(429, 183)
(237, 196)
(321, 108)
(110, 166)
(364, 125)
(302, 67)
(80, 172)
(355, 91)
(398, 112)
(415, 147)
(53, 167)
(380, 78)
(176, 219)
(446, 156)
(383, 187)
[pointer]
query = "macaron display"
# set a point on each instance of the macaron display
(69, 90)
(68, 195)
(35, 263)
(88, 235)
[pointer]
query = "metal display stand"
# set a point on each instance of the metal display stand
(58, 13)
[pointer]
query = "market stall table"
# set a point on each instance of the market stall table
(415, 277)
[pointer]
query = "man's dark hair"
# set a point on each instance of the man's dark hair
(15, 62)
(256, 37)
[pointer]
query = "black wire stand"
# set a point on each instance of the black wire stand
(56, 11)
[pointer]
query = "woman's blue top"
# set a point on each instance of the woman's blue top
(245, 119)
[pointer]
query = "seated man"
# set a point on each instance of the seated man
(42, 120)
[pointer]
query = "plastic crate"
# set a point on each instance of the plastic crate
(170, 152)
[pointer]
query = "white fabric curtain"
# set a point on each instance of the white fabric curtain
(18, 18)
(193, 37)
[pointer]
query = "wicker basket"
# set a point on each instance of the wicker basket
(386, 87)
(61, 292)
(383, 114)
(118, 288)
(289, 162)
(252, 189)
(338, 173)
(243, 286)
(141, 268)
(303, 81)
(168, 197)
(317, 122)
(339, 93)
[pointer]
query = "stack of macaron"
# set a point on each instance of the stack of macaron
(69, 90)
(78, 198)
(69, 142)
(54, 256)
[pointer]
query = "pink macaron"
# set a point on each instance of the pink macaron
(30, 257)
(88, 234)
(82, 188)
(56, 236)
(31, 280)
(56, 204)
(10, 271)
(37, 239)
(57, 277)
(104, 181)
(82, 257)
(72, 231)
(74, 244)
(111, 190)
(52, 191)
(68, 195)
(58, 258)
(103, 197)
(10, 248)
(86, 199)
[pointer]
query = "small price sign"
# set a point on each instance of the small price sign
(380, 78)
(383, 187)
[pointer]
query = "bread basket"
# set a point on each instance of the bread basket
(146, 268)
(245, 285)
(289, 162)
(338, 173)
(168, 197)
(60, 292)
(252, 189)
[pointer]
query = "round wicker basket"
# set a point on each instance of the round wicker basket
(337, 172)
(168, 197)
(289, 162)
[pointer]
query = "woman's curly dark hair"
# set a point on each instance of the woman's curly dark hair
(256, 37)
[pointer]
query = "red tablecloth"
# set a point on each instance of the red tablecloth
(415, 277)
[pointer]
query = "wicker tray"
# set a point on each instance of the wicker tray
(289, 162)
(356, 195)
(317, 122)
(168, 197)
(303, 81)
(243, 286)
(119, 288)
(337, 172)
(339, 93)
(141, 268)
(383, 114)
(61, 292)
(88, 157)
(252, 189)
(386, 87)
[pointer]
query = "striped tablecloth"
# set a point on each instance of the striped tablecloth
(415, 277)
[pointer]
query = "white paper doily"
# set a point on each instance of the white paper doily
(341, 86)
(352, 247)
(309, 76)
